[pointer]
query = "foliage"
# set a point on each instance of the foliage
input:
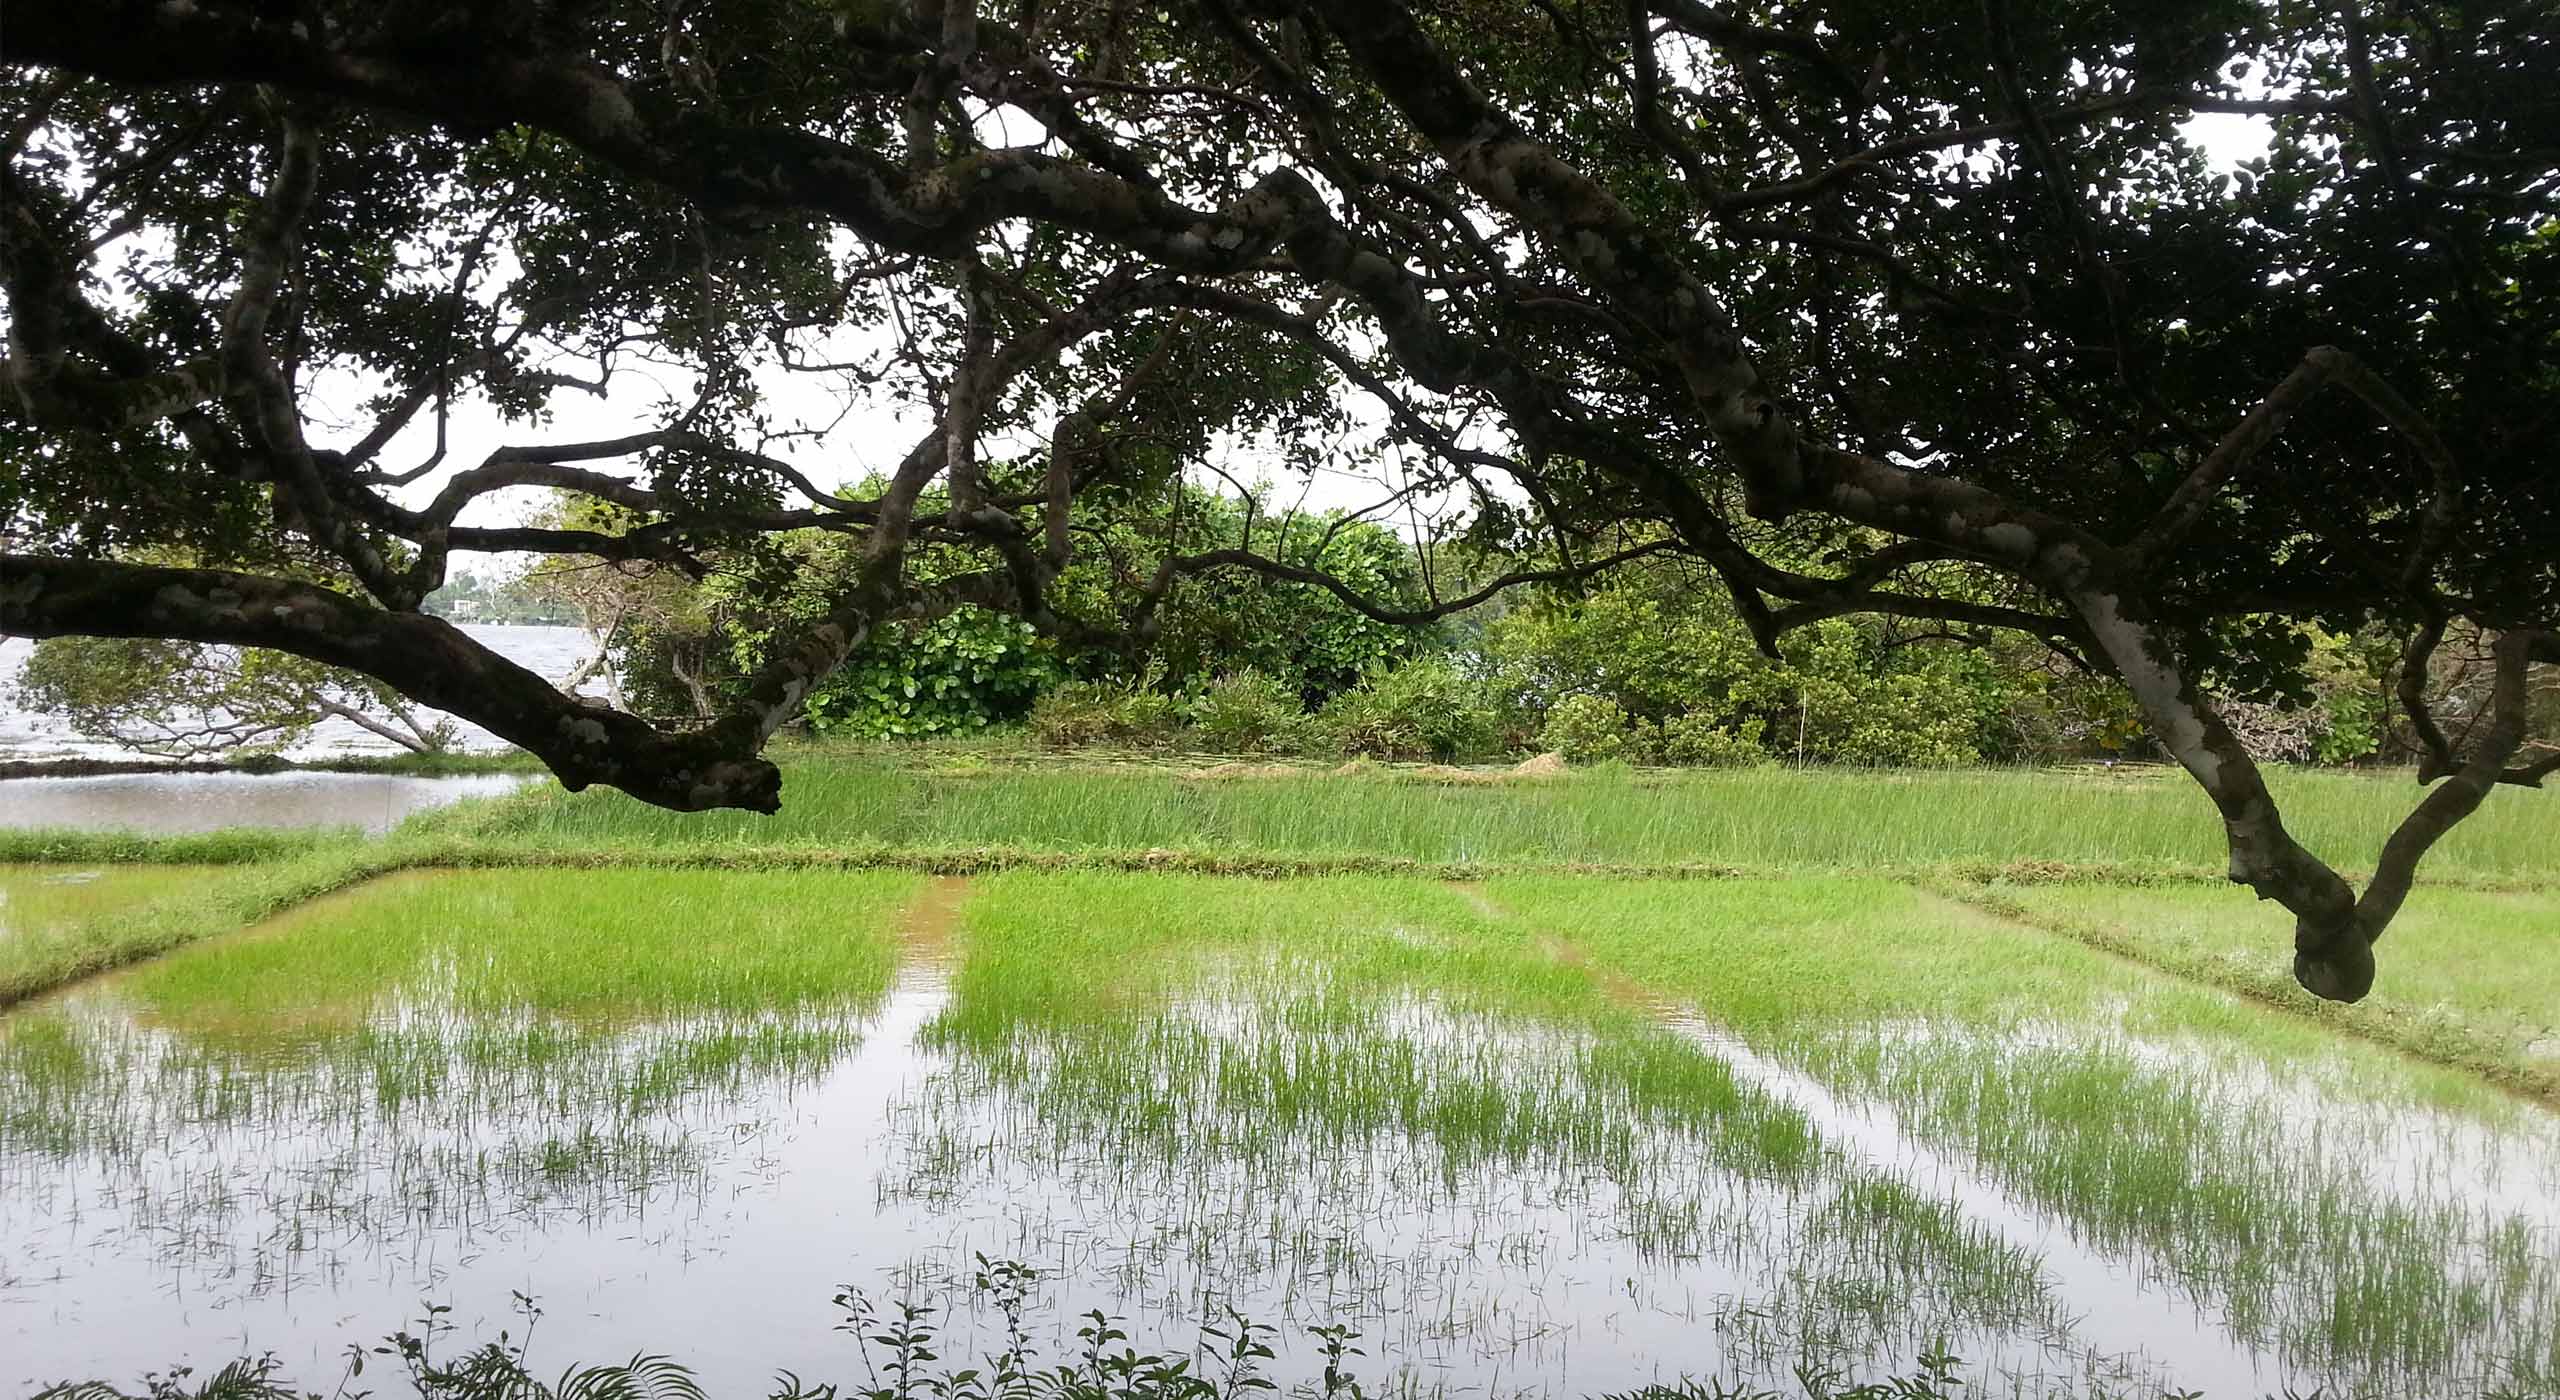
(685, 649)
(1700, 741)
(961, 672)
(1659, 650)
(898, 1347)
(1591, 729)
(1297, 633)
(188, 700)
(651, 626)
(1246, 712)
(1126, 711)
(1423, 709)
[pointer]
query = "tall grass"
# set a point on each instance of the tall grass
(1772, 818)
(234, 846)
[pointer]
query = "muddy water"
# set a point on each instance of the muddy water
(704, 1188)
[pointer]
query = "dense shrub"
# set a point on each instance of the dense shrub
(1592, 729)
(1701, 741)
(957, 674)
(1081, 713)
(684, 648)
(1247, 712)
(1424, 709)
(1665, 647)
(1299, 634)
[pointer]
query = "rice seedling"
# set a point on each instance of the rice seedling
(418, 1080)
(36, 900)
(627, 942)
(2474, 975)
(61, 924)
(1545, 1134)
(1767, 818)
(2373, 1222)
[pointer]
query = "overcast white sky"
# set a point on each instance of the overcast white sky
(873, 436)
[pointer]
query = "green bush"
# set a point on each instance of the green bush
(957, 674)
(1247, 712)
(1592, 729)
(1702, 741)
(1081, 713)
(1667, 648)
(1425, 709)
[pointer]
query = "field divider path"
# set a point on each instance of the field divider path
(2272, 988)
(2112, 1306)
(928, 946)
(126, 937)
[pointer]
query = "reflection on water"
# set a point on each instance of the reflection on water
(1499, 1204)
(166, 803)
(550, 652)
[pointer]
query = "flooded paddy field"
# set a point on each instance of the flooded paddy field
(1549, 1136)
(39, 899)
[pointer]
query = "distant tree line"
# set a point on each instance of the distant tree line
(504, 599)
(1650, 664)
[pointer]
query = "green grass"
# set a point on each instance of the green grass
(37, 901)
(237, 846)
(2238, 1149)
(1777, 960)
(2468, 978)
(489, 943)
(169, 911)
(1773, 818)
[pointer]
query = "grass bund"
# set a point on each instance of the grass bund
(1970, 1083)
(1759, 818)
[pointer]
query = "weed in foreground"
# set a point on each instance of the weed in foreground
(897, 1348)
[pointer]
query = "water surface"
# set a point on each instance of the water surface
(169, 803)
(446, 1088)
(174, 803)
(551, 652)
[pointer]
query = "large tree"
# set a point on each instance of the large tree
(1942, 295)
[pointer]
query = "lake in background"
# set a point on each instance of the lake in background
(178, 802)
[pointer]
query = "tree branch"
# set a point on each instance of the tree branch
(423, 657)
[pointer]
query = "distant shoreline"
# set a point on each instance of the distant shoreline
(389, 765)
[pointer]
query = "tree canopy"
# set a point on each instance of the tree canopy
(1931, 309)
